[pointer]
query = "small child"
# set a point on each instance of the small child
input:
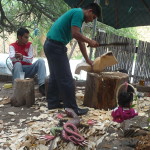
(124, 110)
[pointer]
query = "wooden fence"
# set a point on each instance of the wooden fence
(142, 66)
(137, 67)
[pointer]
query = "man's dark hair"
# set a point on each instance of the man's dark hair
(95, 7)
(124, 99)
(22, 31)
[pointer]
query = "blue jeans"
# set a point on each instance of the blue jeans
(37, 67)
(61, 82)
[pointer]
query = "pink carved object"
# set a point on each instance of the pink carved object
(59, 116)
(70, 131)
(91, 122)
(120, 114)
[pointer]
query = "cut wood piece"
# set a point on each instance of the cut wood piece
(99, 64)
(23, 93)
(100, 90)
(106, 60)
(83, 66)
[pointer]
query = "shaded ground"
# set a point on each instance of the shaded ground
(19, 112)
(19, 124)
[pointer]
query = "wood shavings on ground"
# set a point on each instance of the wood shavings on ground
(5, 100)
(27, 132)
(144, 143)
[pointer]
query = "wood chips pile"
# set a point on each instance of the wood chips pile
(26, 134)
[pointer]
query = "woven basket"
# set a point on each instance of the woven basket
(122, 88)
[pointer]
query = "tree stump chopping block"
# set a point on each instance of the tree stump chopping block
(23, 93)
(101, 89)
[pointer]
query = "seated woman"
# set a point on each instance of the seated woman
(124, 110)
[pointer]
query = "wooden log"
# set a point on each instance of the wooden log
(100, 90)
(23, 93)
(142, 88)
(5, 78)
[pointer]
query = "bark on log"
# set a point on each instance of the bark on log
(100, 90)
(23, 93)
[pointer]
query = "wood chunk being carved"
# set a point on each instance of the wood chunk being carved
(99, 64)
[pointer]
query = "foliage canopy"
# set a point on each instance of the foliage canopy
(28, 13)
(40, 14)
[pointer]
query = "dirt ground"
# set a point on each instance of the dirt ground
(21, 112)
(20, 121)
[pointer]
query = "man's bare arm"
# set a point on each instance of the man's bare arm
(81, 38)
(84, 52)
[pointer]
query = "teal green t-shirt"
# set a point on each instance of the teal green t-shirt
(61, 29)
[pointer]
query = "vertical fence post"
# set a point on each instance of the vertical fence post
(93, 33)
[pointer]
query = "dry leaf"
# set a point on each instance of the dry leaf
(80, 96)
(5, 101)
(11, 113)
(42, 147)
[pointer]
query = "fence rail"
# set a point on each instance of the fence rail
(125, 54)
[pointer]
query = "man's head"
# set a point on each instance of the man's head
(91, 12)
(22, 35)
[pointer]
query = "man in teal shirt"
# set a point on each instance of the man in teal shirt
(67, 27)
(61, 29)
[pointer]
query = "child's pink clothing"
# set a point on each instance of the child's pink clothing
(120, 114)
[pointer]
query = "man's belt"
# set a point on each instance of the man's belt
(56, 42)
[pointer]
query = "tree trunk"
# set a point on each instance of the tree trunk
(23, 93)
(100, 90)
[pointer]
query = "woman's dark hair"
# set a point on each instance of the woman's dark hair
(22, 31)
(124, 99)
(95, 7)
